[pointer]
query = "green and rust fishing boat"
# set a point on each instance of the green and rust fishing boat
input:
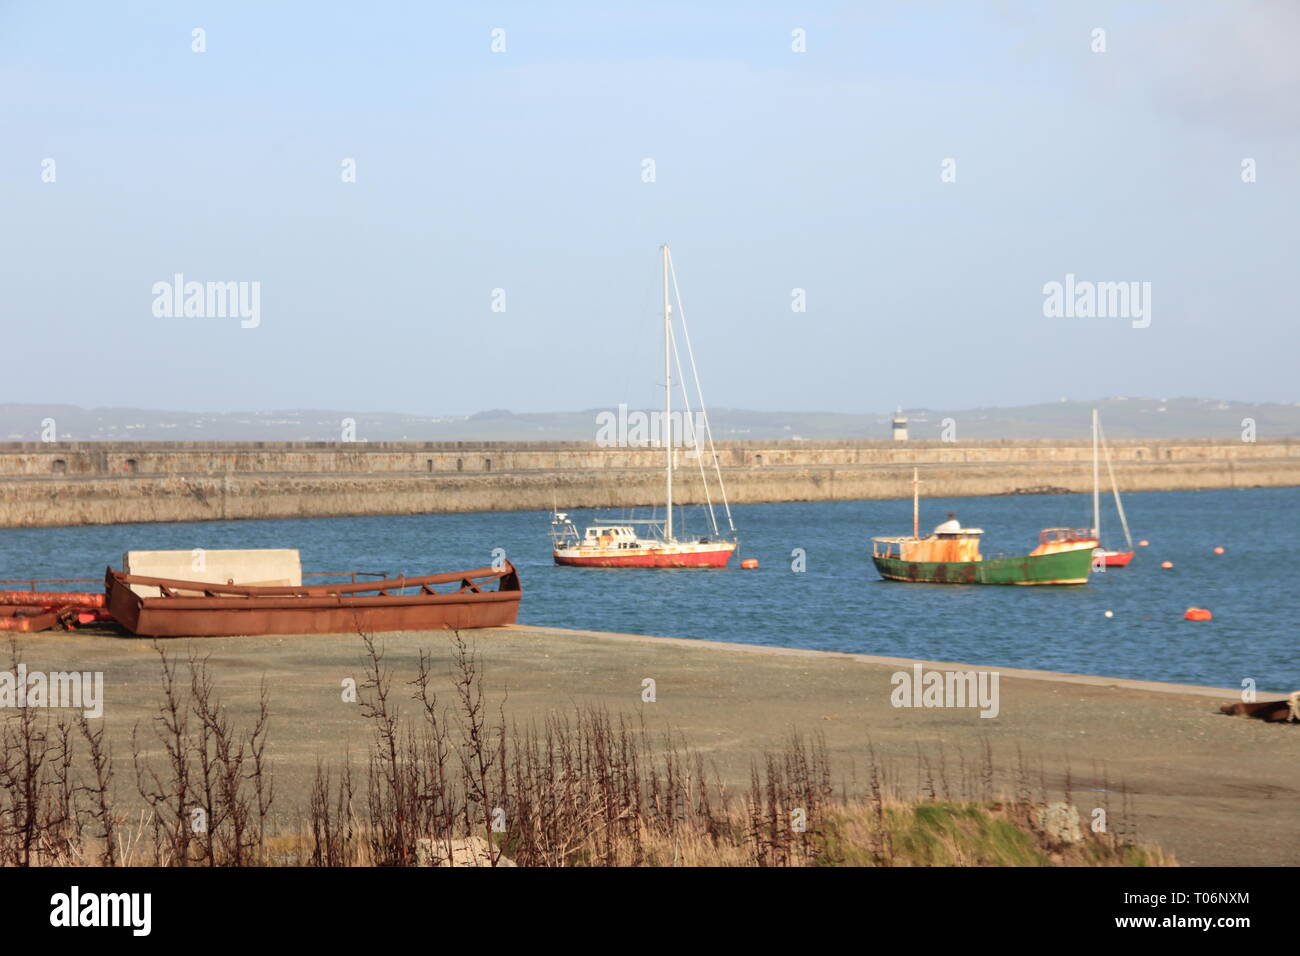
(951, 555)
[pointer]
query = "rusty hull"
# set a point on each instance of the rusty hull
(214, 610)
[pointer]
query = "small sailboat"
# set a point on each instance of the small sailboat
(951, 555)
(1107, 557)
(618, 544)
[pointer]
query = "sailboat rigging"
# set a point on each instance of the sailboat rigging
(1110, 558)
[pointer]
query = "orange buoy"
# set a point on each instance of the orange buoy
(1166, 564)
(1143, 543)
(1198, 614)
(749, 564)
(1218, 550)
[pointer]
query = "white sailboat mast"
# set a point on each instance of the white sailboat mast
(916, 504)
(1096, 482)
(668, 400)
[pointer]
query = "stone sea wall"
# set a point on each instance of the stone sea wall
(106, 483)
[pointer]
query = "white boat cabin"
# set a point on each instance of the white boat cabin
(611, 536)
(604, 537)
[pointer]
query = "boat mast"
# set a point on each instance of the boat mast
(1096, 483)
(1119, 505)
(916, 503)
(668, 400)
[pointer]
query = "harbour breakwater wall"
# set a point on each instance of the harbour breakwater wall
(78, 483)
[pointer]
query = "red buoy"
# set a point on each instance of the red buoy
(1166, 564)
(1218, 550)
(1198, 614)
(749, 564)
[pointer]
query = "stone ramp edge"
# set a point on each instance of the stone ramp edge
(1017, 673)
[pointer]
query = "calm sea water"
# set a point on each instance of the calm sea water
(839, 603)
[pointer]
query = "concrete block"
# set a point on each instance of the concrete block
(268, 567)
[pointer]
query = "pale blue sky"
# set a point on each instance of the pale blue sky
(522, 170)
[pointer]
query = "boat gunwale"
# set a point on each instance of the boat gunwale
(274, 602)
(474, 578)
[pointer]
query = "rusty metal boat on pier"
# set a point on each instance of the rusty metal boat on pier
(167, 607)
(208, 593)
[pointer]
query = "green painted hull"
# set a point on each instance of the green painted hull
(1063, 567)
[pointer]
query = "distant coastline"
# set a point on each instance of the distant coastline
(1125, 417)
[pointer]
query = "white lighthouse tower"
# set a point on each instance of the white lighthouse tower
(900, 425)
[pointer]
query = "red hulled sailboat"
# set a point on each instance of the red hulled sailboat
(619, 544)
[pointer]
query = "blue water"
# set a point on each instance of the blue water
(839, 603)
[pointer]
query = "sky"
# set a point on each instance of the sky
(517, 178)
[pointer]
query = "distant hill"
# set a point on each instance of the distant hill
(1121, 417)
